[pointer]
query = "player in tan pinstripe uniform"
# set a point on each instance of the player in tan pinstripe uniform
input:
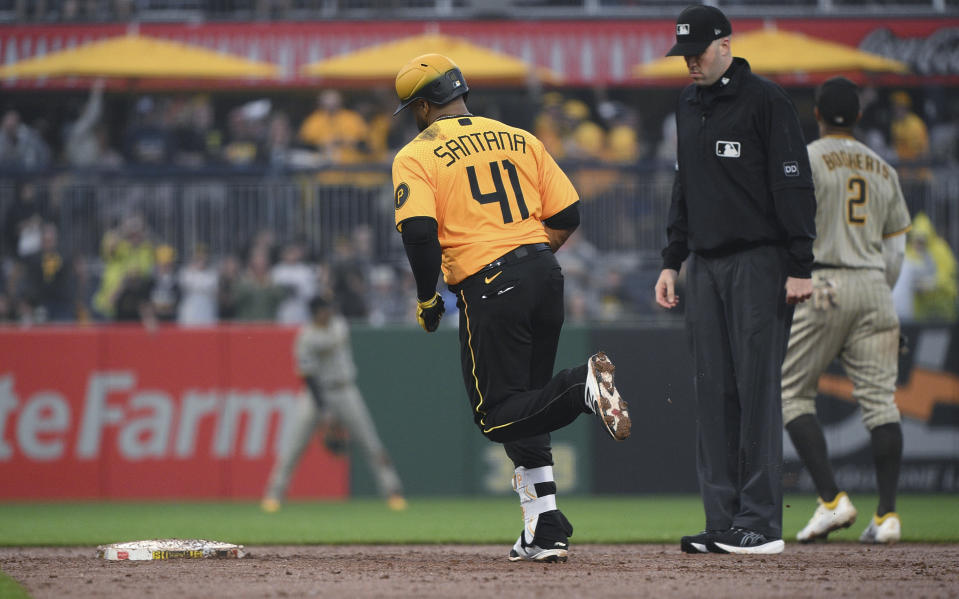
(861, 219)
(324, 359)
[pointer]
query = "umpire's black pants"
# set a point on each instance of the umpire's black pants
(738, 324)
(510, 320)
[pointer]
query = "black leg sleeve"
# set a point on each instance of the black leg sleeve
(887, 455)
(806, 435)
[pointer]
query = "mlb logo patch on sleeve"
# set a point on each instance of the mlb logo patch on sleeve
(791, 169)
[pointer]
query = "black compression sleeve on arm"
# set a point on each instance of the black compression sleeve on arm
(565, 219)
(423, 251)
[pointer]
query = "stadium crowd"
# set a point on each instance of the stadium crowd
(132, 273)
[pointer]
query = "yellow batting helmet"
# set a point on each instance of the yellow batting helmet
(431, 77)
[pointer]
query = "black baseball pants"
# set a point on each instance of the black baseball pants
(738, 325)
(510, 320)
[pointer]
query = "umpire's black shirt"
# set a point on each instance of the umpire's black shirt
(743, 176)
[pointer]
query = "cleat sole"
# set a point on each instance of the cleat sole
(614, 411)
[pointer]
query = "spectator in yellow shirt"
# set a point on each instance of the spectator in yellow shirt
(909, 134)
(934, 296)
(549, 125)
(586, 139)
(339, 134)
(622, 137)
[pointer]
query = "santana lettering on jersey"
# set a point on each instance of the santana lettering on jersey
(486, 141)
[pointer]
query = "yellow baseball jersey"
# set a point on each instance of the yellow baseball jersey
(489, 186)
(858, 203)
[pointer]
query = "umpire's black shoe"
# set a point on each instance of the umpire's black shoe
(742, 541)
(697, 543)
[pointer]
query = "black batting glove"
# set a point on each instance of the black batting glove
(429, 312)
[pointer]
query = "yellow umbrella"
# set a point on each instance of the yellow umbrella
(384, 60)
(775, 52)
(135, 56)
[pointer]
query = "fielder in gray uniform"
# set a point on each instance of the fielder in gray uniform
(861, 219)
(325, 361)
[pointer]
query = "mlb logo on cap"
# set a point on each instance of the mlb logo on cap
(696, 28)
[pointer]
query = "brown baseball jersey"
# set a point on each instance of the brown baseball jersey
(489, 186)
(859, 203)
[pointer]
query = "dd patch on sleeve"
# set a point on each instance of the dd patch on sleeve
(791, 169)
(402, 194)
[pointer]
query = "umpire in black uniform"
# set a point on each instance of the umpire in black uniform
(743, 210)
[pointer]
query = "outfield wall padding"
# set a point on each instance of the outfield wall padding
(123, 413)
(119, 412)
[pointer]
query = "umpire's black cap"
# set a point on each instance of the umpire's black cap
(838, 102)
(696, 28)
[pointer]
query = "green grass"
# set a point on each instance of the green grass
(638, 519)
(9, 589)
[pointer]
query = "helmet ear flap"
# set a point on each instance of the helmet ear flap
(446, 88)
(443, 88)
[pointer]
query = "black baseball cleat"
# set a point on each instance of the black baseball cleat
(550, 543)
(744, 542)
(697, 543)
(558, 552)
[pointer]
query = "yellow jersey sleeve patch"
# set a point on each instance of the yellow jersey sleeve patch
(414, 192)
(401, 195)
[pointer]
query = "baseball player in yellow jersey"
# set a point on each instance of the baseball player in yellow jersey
(486, 203)
(861, 219)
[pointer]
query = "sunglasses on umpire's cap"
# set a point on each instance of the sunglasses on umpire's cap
(696, 28)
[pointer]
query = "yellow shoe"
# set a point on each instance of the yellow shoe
(396, 503)
(270, 506)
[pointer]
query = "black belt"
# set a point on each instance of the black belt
(821, 266)
(515, 255)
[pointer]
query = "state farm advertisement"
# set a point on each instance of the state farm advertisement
(122, 413)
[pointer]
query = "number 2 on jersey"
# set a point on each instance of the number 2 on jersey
(498, 195)
(857, 198)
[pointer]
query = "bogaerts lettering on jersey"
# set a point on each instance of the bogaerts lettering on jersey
(862, 162)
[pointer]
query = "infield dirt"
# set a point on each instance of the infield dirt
(824, 570)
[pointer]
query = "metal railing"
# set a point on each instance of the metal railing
(346, 221)
(624, 210)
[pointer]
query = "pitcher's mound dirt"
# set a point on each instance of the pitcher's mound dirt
(824, 570)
